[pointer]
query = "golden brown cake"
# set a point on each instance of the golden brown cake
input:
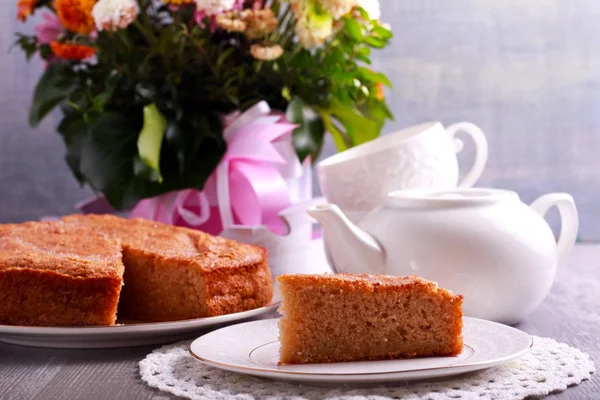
(174, 273)
(345, 317)
(71, 272)
(50, 276)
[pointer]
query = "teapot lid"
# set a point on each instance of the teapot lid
(456, 197)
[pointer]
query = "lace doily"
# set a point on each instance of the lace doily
(549, 366)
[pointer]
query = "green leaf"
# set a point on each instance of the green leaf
(385, 109)
(382, 32)
(203, 148)
(102, 99)
(285, 93)
(224, 56)
(74, 131)
(363, 51)
(45, 51)
(72, 125)
(28, 44)
(360, 128)
(375, 42)
(150, 139)
(354, 28)
(109, 159)
(142, 170)
(364, 59)
(175, 136)
(301, 60)
(187, 136)
(308, 137)
(373, 76)
(377, 111)
(53, 87)
(339, 138)
(334, 61)
(363, 13)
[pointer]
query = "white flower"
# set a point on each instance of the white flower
(214, 7)
(314, 25)
(112, 15)
(337, 8)
(313, 31)
(372, 7)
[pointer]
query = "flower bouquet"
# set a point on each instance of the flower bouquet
(176, 102)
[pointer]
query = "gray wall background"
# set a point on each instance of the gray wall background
(526, 72)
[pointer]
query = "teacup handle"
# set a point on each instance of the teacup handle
(569, 220)
(481, 150)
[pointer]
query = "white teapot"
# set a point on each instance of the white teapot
(485, 244)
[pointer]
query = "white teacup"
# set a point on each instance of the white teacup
(419, 157)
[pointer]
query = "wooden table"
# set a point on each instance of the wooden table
(571, 314)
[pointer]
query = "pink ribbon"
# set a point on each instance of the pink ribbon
(249, 187)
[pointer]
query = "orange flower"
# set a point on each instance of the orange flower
(72, 51)
(379, 91)
(25, 9)
(76, 15)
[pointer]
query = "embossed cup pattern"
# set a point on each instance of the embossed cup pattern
(418, 157)
(425, 161)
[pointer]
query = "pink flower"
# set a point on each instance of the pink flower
(200, 15)
(49, 29)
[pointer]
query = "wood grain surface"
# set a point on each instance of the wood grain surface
(571, 314)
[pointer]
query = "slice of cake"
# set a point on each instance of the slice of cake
(53, 274)
(346, 317)
(174, 273)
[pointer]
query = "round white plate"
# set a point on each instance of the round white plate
(125, 334)
(253, 348)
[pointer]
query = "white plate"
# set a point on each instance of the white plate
(124, 335)
(253, 348)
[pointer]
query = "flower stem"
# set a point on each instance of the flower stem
(287, 38)
(283, 26)
(296, 50)
(147, 34)
(275, 6)
(259, 66)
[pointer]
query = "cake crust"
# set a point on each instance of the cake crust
(64, 249)
(357, 317)
(167, 242)
(368, 283)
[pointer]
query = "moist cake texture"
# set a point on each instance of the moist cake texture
(355, 317)
(175, 273)
(50, 276)
(78, 270)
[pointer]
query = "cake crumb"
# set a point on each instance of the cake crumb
(357, 317)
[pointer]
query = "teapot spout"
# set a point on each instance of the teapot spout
(351, 249)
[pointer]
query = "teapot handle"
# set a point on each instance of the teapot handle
(481, 150)
(568, 216)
